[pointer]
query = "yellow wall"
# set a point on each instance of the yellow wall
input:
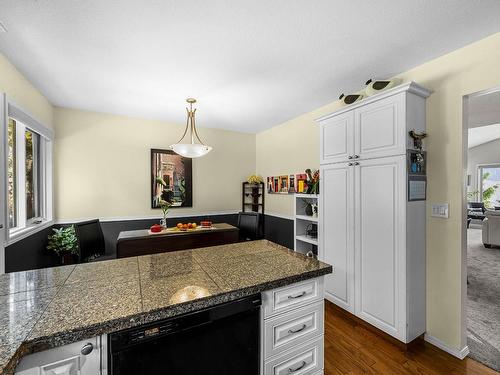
(294, 146)
(22, 92)
(102, 166)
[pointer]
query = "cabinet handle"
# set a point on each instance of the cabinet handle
(87, 349)
(356, 156)
(356, 163)
(298, 295)
(292, 370)
(349, 157)
(350, 164)
(304, 326)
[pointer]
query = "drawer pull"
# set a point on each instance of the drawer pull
(298, 295)
(292, 370)
(304, 326)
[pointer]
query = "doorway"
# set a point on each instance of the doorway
(481, 232)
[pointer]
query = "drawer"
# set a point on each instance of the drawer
(303, 360)
(288, 330)
(284, 299)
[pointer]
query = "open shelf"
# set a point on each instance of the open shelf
(307, 218)
(303, 238)
(304, 223)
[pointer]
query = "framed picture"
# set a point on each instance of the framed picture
(171, 179)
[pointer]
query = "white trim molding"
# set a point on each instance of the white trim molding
(151, 217)
(281, 216)
(459, 353)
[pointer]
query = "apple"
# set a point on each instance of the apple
(156, 228)
(179, 225)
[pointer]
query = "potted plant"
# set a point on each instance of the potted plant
(165, 206)
(64, 243)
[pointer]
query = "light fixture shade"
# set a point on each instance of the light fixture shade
(190, 150)
(193, 149)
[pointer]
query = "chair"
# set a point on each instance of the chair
(248, 223)
(90, 240)
(476, 210)
(491, 229)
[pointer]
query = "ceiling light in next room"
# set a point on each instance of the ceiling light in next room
(3, 29)
(190, 149)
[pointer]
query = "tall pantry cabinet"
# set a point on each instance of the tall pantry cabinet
(371, 233)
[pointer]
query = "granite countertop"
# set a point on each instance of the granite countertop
(46, 308)
(142, 233)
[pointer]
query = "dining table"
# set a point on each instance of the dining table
(142, 242)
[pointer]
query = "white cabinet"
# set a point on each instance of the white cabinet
(380, 128)
(337, 235)
(374, 127)
(380, 243)
(79, 358)
(292, 329)
(370, 233)
(337, 142)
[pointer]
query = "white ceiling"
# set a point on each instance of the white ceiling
(484, 109)
(483, 134)
(251, 64)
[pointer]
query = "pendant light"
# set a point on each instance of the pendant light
(191, 149)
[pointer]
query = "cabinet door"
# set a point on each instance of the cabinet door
(380, 243)
(337, 232)
(63, 360)
(380, 128)
(337, 138)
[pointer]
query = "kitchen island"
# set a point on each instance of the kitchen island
(48, 308)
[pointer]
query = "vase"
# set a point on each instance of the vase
(309, 210)
(163, 222)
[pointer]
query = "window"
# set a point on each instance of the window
(489, 185)
(29, 173)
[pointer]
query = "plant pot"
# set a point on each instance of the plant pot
(67, 258)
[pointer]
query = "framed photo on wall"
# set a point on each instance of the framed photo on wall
(171, 179)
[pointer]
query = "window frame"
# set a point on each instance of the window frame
(480, 168)
(24, 121)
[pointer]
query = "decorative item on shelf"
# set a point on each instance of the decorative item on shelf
(191, 149)
(171, 179)
(301, 182)
(276, 184)
(64, 243)
(375, 86)
(165, 206)
(283, 184)
(312, 231)
(291, 183)
(312, 181)
(308, 207)
(254, 179)
(417, 139)
(315, 209)
(270, 185)
(351, 98)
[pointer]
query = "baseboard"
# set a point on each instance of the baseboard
(460, 354)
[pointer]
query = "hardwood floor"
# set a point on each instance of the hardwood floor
(350, 348)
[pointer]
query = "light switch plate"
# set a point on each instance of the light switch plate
(440, 210)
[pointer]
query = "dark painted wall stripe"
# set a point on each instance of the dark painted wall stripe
(31, 253)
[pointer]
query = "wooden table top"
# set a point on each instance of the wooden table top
(145, 233)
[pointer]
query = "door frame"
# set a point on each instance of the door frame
(465, 151)
(3, 179)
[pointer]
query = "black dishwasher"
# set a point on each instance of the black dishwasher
(220, 340)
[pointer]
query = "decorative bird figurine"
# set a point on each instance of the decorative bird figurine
(417, 138)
